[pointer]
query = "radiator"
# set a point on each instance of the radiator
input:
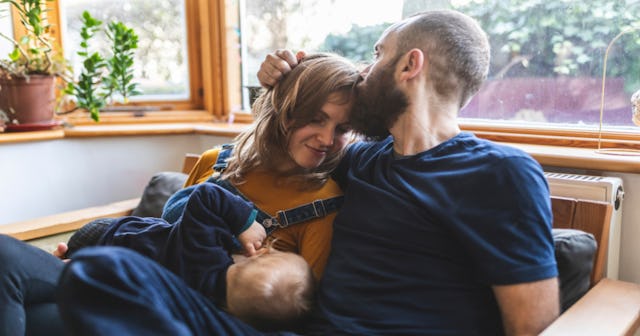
(597, 188)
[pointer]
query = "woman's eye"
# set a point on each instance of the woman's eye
(343, 129)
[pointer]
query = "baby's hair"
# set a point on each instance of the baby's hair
(275, 291)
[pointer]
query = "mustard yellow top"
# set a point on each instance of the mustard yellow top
(312, 239)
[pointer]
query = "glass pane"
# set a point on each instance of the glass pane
(348, 27)
(547, 56)
(161, 63)
(6, 29)
(547, 61)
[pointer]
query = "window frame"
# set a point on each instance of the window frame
(213, 65)
(551, 134)
(206, 91)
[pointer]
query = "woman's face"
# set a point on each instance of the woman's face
(328, 132)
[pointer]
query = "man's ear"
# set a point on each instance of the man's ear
(411, 64)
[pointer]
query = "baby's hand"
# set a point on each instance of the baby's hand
(61, 251)
(251, 238)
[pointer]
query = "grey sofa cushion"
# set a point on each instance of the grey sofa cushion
(575, 251)
(161, 186)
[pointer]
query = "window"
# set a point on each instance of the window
(547, 56)
(6, 28)
(167, 61)
(161, 63)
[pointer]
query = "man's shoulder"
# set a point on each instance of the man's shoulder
(367, 146)
(494, 149)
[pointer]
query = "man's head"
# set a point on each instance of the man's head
(271, 291)
(454, 52)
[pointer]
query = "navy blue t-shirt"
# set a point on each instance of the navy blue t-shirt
(420, 240)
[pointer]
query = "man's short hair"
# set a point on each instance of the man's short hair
(457, 48)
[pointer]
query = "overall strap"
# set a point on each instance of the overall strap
(316, 209)
(283, 218)
(260, 218)
(221, 163)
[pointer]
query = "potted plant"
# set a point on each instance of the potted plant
(100, 78)
(27, 78)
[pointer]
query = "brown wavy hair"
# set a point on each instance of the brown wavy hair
(291, 104)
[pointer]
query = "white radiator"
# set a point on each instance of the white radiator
(596, 188)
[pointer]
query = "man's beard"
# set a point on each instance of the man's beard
(378, 105)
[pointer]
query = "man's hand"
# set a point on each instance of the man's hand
(61, 251)
(251, 238)
(276, 65)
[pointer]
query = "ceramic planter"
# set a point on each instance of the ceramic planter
(28, 100)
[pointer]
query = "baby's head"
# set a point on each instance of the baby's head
(270, 291)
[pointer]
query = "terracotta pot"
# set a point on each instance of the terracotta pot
(28, 101)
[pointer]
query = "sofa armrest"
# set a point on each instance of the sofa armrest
(66, 221)
(612, 307)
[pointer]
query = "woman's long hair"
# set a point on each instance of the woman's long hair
(291, 104)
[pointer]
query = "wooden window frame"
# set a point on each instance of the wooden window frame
(214, 75)
(207, 75)
(552, 134)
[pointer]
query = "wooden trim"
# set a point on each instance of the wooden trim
(190, 160)
(588, 216)
(9, 138)
(66, 221)
(106, 118)
(610, 308)
(553, 135)
(566, 157)
(581, 158)
(213, 50)
(194, 54)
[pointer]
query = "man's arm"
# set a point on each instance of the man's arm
(528, 308)
(276, 65)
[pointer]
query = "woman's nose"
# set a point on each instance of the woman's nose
(325, 136)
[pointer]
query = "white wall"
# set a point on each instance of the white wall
(630, 230)
(46, 177)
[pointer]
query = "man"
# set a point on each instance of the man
(440, 233)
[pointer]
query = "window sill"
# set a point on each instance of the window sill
(548, 155)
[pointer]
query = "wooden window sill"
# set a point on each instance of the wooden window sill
(548, 155)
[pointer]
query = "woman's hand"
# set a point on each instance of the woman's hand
(251, 239)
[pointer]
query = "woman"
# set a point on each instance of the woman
(283, 160)
(286, 157)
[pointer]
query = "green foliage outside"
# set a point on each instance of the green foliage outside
(558, 38)
(357, 44)
(161, 62)
(539, 38)
(100, 78)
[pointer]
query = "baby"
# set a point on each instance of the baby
(269, 290)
